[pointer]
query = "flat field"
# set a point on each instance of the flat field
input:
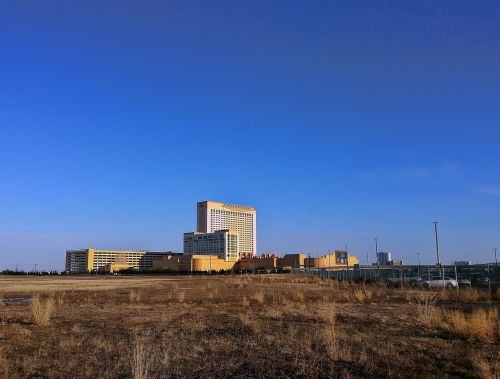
(241, 326)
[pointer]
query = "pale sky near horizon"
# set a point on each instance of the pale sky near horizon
(336, 120)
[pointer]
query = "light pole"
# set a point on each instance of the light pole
(418, 256)
(437, 251)
(437, 243)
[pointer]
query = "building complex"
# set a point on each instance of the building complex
(225, 240)
(196, 262)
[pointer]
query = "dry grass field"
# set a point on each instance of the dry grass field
(243, 327)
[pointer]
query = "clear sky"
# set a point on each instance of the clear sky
(337, 120)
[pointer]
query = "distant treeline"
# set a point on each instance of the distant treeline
(37, 273)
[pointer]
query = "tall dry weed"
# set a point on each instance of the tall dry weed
(42, 310)
(329, 314)
(135, 295)
(60, 298)
(181, 296)
(245, 302)
(427, 312)
(362, 294)
(258, 296)
(140, 360)
(331, 333)
(299, 296)
(472, 295)
(479, 325)
(484, 368)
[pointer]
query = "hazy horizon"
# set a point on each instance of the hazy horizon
(337, 121)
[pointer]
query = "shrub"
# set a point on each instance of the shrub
(42, 310)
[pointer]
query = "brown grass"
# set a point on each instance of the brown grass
(427, 311)
(181, 296)
(486, 369)
(258, 297)
(42, 310)
(135, 295)
(140, 360)
(250, 326)
(245, 302)
(481, 324)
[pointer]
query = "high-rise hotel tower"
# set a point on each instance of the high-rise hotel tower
(213, 216)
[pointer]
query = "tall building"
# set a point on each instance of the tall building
(213, 216)
(222, 243)
(88, 260)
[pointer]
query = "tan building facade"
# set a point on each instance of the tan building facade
(192, 263)
(88, 260)
(338, 258)
(213, 216)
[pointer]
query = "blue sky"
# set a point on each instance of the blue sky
(336, 120)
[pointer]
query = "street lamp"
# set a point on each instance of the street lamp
(437, 251)
(418, 256)
(437, 244)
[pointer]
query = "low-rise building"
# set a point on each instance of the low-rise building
(338, 258)
(89, 260)
(192, 263)
(197, 262)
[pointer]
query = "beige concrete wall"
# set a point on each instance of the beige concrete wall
(329, 260)
(292, 260)
(256, 264)
(188, 263)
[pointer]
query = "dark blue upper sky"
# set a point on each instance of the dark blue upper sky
(336, 120)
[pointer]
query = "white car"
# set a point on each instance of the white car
(439, 282)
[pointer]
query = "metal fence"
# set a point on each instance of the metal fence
(487, 276)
